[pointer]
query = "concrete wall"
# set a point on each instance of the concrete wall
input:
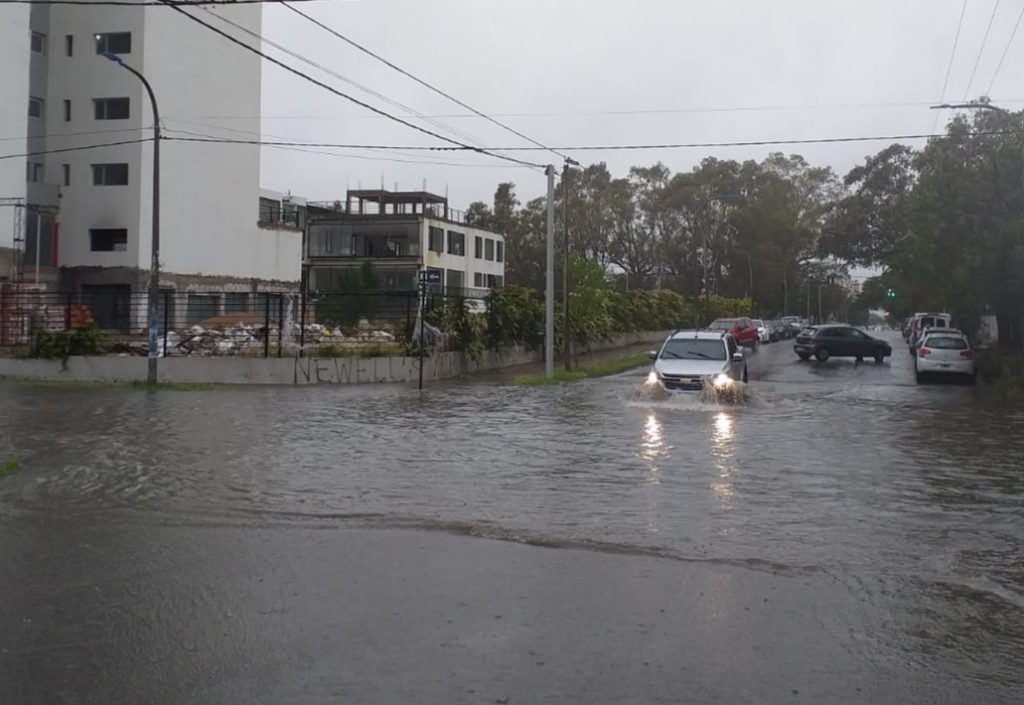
(235, 370)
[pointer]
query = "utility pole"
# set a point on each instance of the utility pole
(983, 103)
(819, 303)
(566, 338)
(549, 297)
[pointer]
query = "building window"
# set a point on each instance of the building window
(66, 169)
(108, 239)
(436, 240)
(109, 174)
(456, 243)
(489, 250)
(67, 111)
(69, 44)
(39, 42)
(111, 108)
(34, 172)
(454, 278)
(478, 247)
(494, 281)
(499, 250)
(114, 43)
(35, 107)
(478, 279)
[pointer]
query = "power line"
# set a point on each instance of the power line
(586, 113)
(80, 148)
(337, 92)
(56, 135)
(420, 81)
(153, 3)
(1006, 50)
(952, 56)
(615, 147)
(981, 50)
(345, 79)
(290, 146)
(618, 147)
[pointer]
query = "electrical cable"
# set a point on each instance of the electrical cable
(331, 89)
(626, 147)
(153, 3)
(619, 147)
(394, 103)
(420, 81)
(981, 50)
(80, 148)
(952, 56)
(1006, 50)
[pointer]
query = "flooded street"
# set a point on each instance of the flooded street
(846, 537)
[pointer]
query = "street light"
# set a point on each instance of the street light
(154, 267)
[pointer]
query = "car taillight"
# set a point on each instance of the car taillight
(967, 354)
(923, 352)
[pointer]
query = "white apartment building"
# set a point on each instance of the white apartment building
(401, 233)
(100, 238)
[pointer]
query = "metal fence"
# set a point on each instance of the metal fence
(246, 323)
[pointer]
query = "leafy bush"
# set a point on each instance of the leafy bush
(60, 345)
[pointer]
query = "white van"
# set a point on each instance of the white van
(926, 320)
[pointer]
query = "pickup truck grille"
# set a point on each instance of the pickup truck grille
(682, 383)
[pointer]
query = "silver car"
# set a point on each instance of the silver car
(945, 352)
(689, 359)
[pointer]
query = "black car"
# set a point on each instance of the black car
(839, 341)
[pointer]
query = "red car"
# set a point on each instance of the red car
(742, 330)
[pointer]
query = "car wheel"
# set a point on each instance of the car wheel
(745, 378)
(754, 346)
(973, 379)
(821, 354)
(879, 356)
(919, 377)
(804, 356)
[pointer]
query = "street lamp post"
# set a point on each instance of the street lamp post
(154, 267)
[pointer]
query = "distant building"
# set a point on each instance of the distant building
(401, 233)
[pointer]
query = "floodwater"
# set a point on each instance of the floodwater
(272, 545)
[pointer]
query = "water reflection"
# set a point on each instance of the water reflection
(723, 452)
(653, 448)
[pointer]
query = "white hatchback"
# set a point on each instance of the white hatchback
(945, 352)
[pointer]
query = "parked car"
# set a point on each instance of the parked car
(837, 340)
(926, 320)
(690, 358)
(793, 325)
(777, 330)
(932, 329)
(742, 330)
(763, 333)
(945, 352)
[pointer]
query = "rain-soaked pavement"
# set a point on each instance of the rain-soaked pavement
(848, 537)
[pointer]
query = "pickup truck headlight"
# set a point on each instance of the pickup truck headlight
(722, 381)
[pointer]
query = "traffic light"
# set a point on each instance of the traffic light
(890, 293)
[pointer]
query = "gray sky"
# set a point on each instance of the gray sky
(869, 67)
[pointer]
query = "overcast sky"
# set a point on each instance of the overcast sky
(714, 70)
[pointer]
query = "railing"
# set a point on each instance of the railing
(224, 323)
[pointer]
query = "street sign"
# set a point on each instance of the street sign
(431, 276)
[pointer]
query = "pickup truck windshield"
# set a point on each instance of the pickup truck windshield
(694, 349)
